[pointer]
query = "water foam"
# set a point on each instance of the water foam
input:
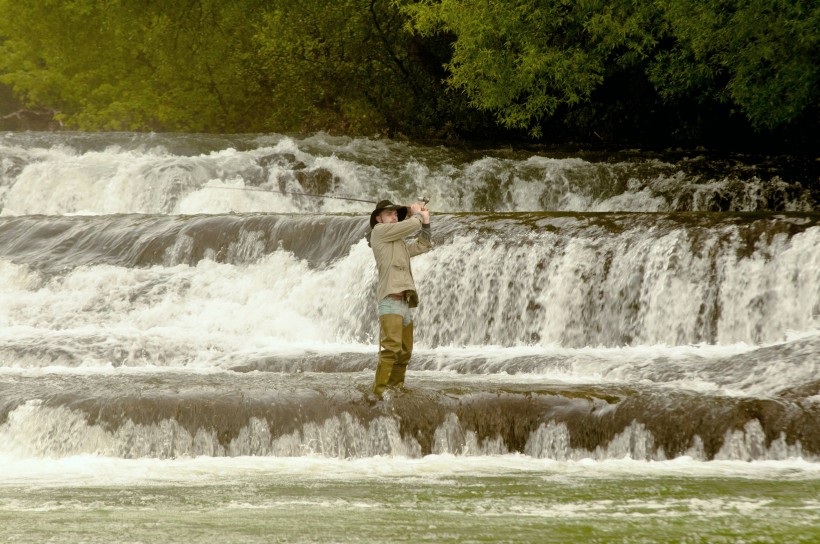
(598, 290)
(33, 430)
(165, 174)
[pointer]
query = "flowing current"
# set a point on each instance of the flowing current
(178, 318)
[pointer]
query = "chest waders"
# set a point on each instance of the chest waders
(395, 349)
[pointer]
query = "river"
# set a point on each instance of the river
(610, 347)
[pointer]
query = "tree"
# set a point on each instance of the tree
(523, 59)
(762, 56)
(121, 65)
(350, 65)
(431, 67)
(210, 65)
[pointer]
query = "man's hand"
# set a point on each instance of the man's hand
(420, 208)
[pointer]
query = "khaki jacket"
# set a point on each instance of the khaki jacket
(393, 256)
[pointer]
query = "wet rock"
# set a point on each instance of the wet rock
(318, 181)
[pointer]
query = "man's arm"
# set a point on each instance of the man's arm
(424, 242)
(397, 231)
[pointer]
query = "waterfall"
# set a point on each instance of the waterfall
(65, 173)
(574, 306)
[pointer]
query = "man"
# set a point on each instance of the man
(396, 292)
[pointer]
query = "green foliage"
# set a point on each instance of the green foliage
(761, 55)
(211, 65)
(341, 65)
(523, 59)
(122, 65)
(426, 67)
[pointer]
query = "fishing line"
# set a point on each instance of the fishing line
(424, 199)
(290, 193)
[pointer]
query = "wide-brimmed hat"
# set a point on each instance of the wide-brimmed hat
(387, 205)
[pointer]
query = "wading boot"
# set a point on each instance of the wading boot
(400, 366)
(390, 347)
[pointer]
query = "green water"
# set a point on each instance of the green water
(466, 508)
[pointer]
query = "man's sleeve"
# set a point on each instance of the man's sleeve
(397, 231)
(423, 243)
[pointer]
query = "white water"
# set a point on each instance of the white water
(591, 311)
(475, 291)
(498, 306)
(92, 470)
(37, 431)
(121, 173)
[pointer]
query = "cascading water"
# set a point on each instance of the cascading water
(166, 174)
(577, 310)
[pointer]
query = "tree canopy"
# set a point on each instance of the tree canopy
(607, 69)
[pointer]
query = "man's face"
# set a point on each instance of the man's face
(388, 216)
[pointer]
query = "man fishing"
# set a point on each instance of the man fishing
(396, 292)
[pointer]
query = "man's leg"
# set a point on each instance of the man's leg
(390, 347)
(400, 366)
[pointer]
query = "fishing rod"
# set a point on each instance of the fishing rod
(424, 199)
(290, 193)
